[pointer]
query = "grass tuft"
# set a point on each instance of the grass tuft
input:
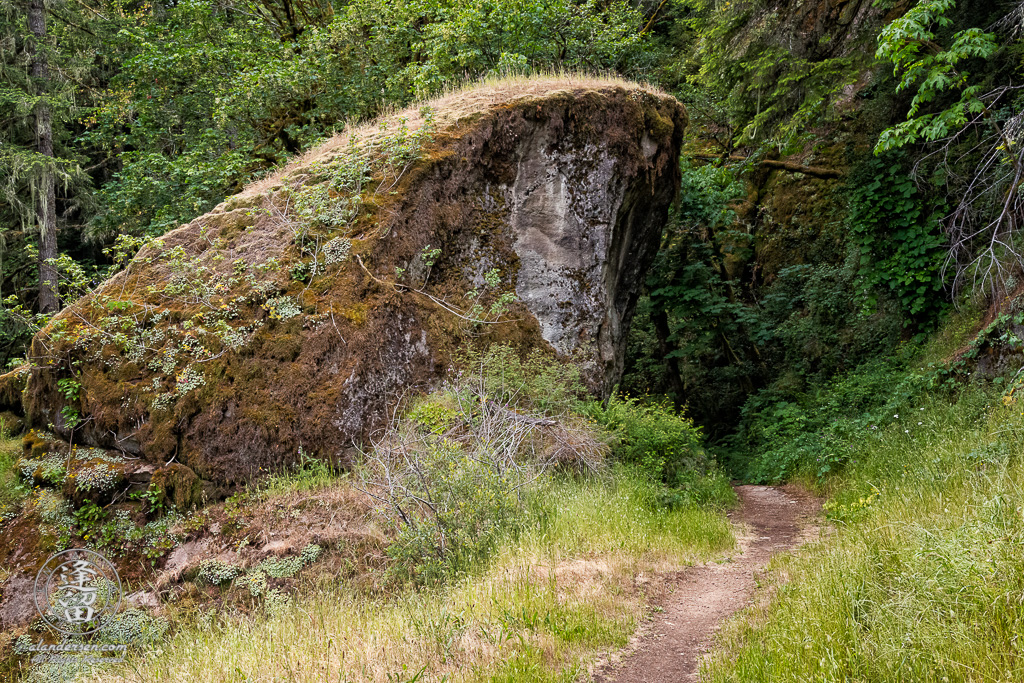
(12, 489)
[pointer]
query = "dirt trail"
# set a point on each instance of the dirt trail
(669, 649)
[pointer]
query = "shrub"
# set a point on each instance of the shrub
(215, 572)
(536, 381)
(902, 248)
(133, 627)
(813, 433)
(453, 511)
(449, 477)
(652, 436)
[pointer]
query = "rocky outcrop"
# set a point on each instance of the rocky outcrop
(293, 317)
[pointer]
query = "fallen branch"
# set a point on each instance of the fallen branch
(398, 287)
(822, 172)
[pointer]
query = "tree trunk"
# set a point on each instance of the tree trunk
(675, 380)
(46, 203)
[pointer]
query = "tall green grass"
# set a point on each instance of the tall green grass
(12, 490)
(625, 513)
(923, 576)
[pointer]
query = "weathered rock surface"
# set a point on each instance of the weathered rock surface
(297, 313)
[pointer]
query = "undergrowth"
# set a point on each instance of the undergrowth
(468, 468)
(12, 489)
(524, 521)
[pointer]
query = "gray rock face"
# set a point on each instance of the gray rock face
(575, 234)
(246, 343)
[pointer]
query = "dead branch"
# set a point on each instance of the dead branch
(822, 172)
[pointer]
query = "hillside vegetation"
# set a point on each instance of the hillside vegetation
(919, 577)
(837, 301)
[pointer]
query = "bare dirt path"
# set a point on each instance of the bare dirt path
(670, 648)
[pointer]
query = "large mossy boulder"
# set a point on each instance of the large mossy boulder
(296, 314)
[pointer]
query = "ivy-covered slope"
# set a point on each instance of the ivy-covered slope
(293, 317)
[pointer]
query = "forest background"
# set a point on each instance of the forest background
(851, 173)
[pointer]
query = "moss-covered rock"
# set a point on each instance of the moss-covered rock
(179, 486)
(12, 384)
(298, 312)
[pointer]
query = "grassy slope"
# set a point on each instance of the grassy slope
(922, 576)
(570, 587)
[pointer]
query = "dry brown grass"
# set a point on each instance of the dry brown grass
(335, 517)
(448, 109)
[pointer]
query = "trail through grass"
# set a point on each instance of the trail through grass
(546, 604)
(923, 577)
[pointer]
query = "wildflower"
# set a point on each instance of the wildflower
(920, 423)
(897, 415)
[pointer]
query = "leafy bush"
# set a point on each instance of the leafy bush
(652, 437)
(215, 572)
(450, 476)
(536, 381)
(812, 433)
(454, 516)
(451, 497)
(284, 567)
(133, 627)
(899, 238)
(664, 446)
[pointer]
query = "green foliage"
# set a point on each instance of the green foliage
(160, 112)
(475, 505)
(652, 437)
(283, 567)
(453, 477)
(809, 433)
(708, 334)
(243, 95)
(629, 511)
(12, 490)
(70, 388)
(133, 627)
(88, 516)
(118, 533)
(433, 415)
(535, 381)
(465, 471)
(215, 572)
(752, 78)
(909, 44)
(310, 473)
(697, 327)
(153, 498)
(899, 240)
